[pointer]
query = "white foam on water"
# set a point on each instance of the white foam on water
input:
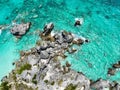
(80, 19)
(0, 31)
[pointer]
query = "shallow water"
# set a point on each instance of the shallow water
(101, 26)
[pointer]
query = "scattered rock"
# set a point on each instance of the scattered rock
(78, 21)
(111, 71)
(116, 65)
(78, 41)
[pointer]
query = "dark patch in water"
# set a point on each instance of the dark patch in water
(107, 17)
(98, 12)
(89, 13)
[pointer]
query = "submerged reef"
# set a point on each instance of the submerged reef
(40, 67)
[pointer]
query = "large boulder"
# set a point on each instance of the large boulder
(48, 28)
(20, 29)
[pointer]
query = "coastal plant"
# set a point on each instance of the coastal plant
(24, 67)
(71, 87)
(60, 82)
(46, 81)
(4, 86)
(52, 83)
(34, 79)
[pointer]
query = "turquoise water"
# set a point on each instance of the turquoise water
(101, 26)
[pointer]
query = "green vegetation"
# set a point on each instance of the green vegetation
(4, 86)
(60, 82)
(71, 87)
(14, 77)
(46, 81)
(24, 67)
(52, 83)
(34, 79)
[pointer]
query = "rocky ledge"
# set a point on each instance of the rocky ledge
(40, 69)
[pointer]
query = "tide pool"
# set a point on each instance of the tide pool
(101, 26)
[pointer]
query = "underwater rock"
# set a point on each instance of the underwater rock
(48, 28)
(20, 29)
(111, 71)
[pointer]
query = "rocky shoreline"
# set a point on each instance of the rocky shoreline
(40, 69)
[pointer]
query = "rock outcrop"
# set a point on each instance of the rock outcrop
(48, 28)
(19, 30)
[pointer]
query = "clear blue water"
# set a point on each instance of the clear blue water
(101, 26)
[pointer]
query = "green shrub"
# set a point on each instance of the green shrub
(33, 79)
(24, 67)
(71, 87)
(34, 76)
(46, 81)
(4, 86)
(52, 83)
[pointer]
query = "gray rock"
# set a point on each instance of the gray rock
(43, 47)
(114, 86)
(20, 29)
(44, 55)
(51, 45)
(116, 65)
(117, 87)
(100, 84)
(48, 28)
(67, 37)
